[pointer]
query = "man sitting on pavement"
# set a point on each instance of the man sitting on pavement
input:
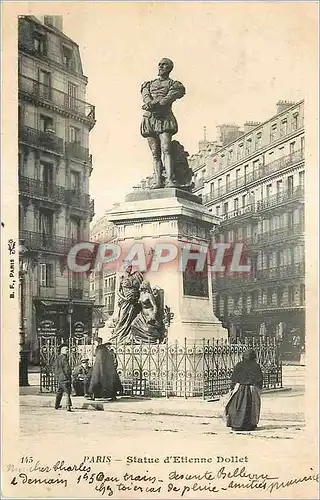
(81, 378)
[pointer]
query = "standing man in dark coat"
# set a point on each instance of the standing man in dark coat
(105, 380)
(63, 376)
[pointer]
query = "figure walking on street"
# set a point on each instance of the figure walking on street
(243, 407)
(63, 376)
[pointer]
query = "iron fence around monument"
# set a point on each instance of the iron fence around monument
(201, 368)
(192, 368)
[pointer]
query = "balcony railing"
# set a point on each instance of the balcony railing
(75, 199)
(75, 150)
(280, 233)
(38, 189)
(75, 293)
(281, 272)
(52, 192)
(259, 173)
(47, 292)
(255, 208)
(275, 273)
(280, 198)
(46, 140)
(56, 97)
(47, 242)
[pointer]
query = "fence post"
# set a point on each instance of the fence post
(185, 368)
(167, 366)
(203, 368)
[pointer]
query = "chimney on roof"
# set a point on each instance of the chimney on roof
(248, 126)
(227, 133)
(55, 21)
(283, 105)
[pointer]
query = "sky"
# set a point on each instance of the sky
(236, 61)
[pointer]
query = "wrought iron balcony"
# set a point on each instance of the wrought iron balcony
(50, 95)
(247, 212)
(75, 150)
(75, 293)
(259, 173)
(280, 234)
(38, 189)
(281, 198)
(281, 272)
(42, 242)
(47, 292)
(45, 140)
(278, 273)
(77, 200)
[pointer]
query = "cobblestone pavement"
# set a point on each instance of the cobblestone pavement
(282, 417)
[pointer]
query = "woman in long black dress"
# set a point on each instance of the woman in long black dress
(243, 407)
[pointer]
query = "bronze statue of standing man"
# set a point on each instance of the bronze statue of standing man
(159, 123)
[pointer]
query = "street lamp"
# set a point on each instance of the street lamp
(70, 312)
(23, 353)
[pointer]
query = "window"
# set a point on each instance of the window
(237, 176)
(46, 275)
(244, 200)
(302, 294)
(228, 182)
(292, 147)
(46, 176)
(49, 20)
(280, 296)
(218, 210)
(290, 218)
(39, 43)
(283, 127)
(273, 132)
(46, 124)
(74, 229)
(246, 167)
(212, 189)
(230, 154)
(219, 186)
(225, 208)
(240, 151)
(290, 184)
(67, 54)
(75, 181)
(279, 186)
(302, 145)
(269, 296)
(45, 225)
(268, 190)
(45, 83)
(74, 134)
(248, 146)
(236, 203)
(301, 179)
(295, 119)
(290, 294)
(258, 140)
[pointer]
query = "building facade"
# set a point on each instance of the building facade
(253, 179)
(54, 170)
(102, 279)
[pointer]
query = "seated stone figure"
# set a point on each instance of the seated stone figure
(182, 173)
(148, 326)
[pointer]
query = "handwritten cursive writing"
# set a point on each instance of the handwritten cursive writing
(285, 484)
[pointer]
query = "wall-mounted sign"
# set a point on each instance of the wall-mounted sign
(47, 327)
(78, 328)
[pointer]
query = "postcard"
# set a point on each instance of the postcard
(159, 224)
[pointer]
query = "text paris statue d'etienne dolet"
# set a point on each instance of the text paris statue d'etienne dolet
(159, 124)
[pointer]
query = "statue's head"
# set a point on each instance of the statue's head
(165, 67)
(145, 286)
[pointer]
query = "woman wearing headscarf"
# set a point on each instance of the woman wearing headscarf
(243, 407)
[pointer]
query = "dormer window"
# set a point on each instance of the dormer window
(39, 44)
(67, 54)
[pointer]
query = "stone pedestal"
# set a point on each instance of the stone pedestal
(173, 216)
